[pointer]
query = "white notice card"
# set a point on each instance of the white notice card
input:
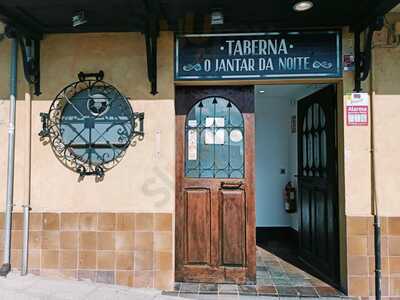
(215, 122)
(192, 144)
(217, 138)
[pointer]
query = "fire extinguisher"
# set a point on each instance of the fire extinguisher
(289, 197)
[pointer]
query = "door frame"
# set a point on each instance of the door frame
(340, 150)
(182, 106)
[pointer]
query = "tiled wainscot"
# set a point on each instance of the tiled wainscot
(132, 249)
(361, 256)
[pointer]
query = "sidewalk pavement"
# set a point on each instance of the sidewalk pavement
(32, 287)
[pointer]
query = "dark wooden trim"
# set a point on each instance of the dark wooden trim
(179, 213)
(186, 97)
(250, 177)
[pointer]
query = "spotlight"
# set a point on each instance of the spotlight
(217, 18)
(303, 5)
(79, 19)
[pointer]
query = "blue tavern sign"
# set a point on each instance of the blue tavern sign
(258, 55)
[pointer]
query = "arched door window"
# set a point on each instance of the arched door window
(314, 142)
(214, 135)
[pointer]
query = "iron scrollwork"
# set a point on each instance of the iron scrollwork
(90, 125)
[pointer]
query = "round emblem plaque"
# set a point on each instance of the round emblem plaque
(98, 104)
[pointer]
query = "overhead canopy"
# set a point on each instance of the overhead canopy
(54, 16)
(31, 19)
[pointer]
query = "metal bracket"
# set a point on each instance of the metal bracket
(362, 59)
(44, 118)
(140, 117)
(84, 76)
(30, 49)
(151, 33)
(98, 172)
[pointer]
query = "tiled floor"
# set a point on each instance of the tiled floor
(275, 277)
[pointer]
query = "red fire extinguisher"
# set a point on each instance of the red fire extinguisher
(289, 197)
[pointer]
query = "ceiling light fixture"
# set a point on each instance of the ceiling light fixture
(217, 18)
(261, 91)
(303, 5)
(79, 19)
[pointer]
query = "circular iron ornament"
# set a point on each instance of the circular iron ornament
(90, 125)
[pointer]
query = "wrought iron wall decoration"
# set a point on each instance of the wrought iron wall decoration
(214, 140)
(90, 125)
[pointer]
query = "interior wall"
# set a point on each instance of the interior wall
(272, 157)
(276, 150)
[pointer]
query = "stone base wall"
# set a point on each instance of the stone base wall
(132, 249)
(361, 256)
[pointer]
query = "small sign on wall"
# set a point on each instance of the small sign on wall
(293, 123)
(357, 106)
(348, 63)
(192, 143)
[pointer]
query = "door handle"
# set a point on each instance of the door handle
(231, 185)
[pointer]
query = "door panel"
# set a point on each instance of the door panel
(233, 227)
(215, 209)
(317, 183)
(198, 230)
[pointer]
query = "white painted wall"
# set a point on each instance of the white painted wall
(272, 155)
(276, 149)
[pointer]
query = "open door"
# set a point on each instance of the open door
(317, 184)
(215, 212)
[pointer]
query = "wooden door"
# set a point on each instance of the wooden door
(317, 184)
(215, 205)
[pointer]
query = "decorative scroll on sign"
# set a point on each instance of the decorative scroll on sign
(258, 55)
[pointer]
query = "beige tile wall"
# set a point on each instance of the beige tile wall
(361, 256)
(132, 249)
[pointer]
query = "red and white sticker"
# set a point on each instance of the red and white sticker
(357, 107)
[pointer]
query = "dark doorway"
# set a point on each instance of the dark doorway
(297, 130)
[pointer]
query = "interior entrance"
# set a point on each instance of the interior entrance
(215, 205)
(257, 159)
(296, 174)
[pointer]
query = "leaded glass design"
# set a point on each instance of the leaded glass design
(314, 142)
(214, 134)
